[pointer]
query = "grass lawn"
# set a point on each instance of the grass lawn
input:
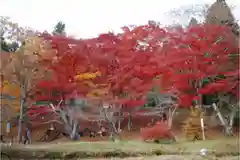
(68, 150)
(172, 157)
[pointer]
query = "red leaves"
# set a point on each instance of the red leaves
(131, 62)
(214, 87)
(186, 100)
(38, 110)
(234, 73)
(159, 131)
(48, 84)
(200, 52)
(228, 84)
(132, 103)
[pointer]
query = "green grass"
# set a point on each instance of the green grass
(221, 147)
(170, 157)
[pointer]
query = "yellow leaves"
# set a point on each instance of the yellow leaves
(90, 84)
(36, 48)
(94, 90)
(97, 92)
(10, 100)
(24, 66)
(87, 76)
(10, 89)
(5, 60)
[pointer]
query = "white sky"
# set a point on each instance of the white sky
(87, 18)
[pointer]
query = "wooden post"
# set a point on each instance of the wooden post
(203, 131)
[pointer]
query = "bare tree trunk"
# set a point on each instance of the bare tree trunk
(68, 129)
(170, 116)
(129, 121)
(112, 127)
(114, 132)
(74, 135)
(119, 121)
(72, 131)
(112, 137)
(119, 125)
(71, 125)
(219, 115)
(232, 115)
(21, 116)
(227, 128)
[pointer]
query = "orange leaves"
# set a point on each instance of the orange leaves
(87, 76)
(10, 100)
(97, 92)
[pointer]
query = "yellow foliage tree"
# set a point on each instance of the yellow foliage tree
(95, 90)
(24, 69)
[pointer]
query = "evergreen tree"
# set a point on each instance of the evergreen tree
(59, 29)
(193, 22)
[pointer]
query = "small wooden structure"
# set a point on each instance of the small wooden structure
(192, 126)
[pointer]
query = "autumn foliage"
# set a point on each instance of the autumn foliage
(197, 55)
(121, 69)
(144, 56)
(159, 131)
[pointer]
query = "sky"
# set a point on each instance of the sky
(88, 18)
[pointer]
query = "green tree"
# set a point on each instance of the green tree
(59, 29)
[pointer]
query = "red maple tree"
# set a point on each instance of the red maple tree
(197, 55)
(133, 62)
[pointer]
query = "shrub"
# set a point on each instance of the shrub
(157, 132)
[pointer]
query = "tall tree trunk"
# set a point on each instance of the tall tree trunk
(72, 131)
(129, 121)
(171, 113)
(112, 137)
(111, 123)
(20, 120)
(71, 126)
(119, 121)
(113, 131)
(68, 129)
(75, 128)
(232, 116)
